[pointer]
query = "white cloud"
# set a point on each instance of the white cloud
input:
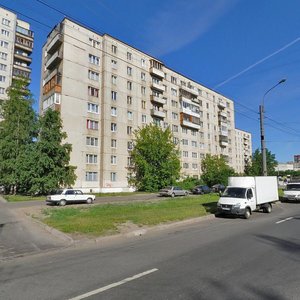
(178, 23)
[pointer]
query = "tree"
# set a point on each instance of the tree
(215, 170)
(155, 159)
(255, 168)
(17, 133)
(49, 163)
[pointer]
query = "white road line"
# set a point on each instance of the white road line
(110, 286)
(287, 219)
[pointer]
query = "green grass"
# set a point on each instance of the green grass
(19, 198)
(118, 194)
(104, 219)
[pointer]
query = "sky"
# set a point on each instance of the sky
(239, 48)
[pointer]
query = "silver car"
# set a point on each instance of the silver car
(173, 191)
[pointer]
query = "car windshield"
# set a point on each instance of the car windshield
(57, 192)
(235, 192)
(293, 187)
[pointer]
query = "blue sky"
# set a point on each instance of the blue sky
(240, 48)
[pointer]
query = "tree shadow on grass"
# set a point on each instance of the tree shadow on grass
(211, 207)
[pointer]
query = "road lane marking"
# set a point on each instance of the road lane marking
(110, 286)
(287, 219)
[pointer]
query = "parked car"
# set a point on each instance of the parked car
(201, 189)
(62, 197)
(217, 188)
(173, 191)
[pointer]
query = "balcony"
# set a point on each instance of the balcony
(24, 44)
(23, 31)
(54, 44)
(157, 99)
(157, 113)
(18, 71)
(190, 90)
(189, 124)
(223, 143)
(223, 133)
(223, 114)
(22, 68)
(22, 57)
(156, 72)
(221, 104)
(158, 86)
(54, 60)
(189, 112)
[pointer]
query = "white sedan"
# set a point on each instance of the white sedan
(62, 197)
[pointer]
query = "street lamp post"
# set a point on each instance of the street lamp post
(262, 129)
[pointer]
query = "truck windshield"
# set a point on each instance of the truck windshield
(293, 187)
(235, 192)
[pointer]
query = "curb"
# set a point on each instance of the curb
(2, 200)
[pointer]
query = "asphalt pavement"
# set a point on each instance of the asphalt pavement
(214, 258)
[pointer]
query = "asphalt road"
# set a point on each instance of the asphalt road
(216, 258)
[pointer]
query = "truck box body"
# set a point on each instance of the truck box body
(265, 187)
(246, 194)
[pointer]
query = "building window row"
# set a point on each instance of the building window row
(93, 108)
(91, 158)
(91, 141)
(91, 176)
(91, 124)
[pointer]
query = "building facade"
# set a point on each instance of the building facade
(105, 89)
(16, 44)
(243, 147)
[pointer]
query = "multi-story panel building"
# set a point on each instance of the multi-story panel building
(243, 147)
(105, 89)
(16, 44)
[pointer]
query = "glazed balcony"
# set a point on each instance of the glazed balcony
(221, 104)
(223, 143)
(190, 90)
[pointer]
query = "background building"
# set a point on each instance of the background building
(296, 162)
(105, 89)
(243, 149)
(16, 44)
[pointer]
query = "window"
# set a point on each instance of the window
(201, 145)
(114, 64)
(184, 130)
(95, 60)
(2, 78)
(91, 141)
(194, 143)
(94, 43)
(93, 75)
(2, 67)
(93, 108)
(129, 115)
(173, 92)
(113, 127)
(129, 130)
(173, 79)
(174, 128)
(185, 165)
(144, 119)
(143, 62)
(91, 176)
(193, 132)
(113, 111)
(2, 90)
(207, 105)
(194, 155)
(129, 85)
(129, 100)
(185, 142)
(195, 166)
(174, 116)
(185, 153)
(4, 44)
(143, 104)
(129, 71)
(174, 103)
(93, 91)
(129, 56)
(91, 124)
(113, 95)
(129, 145)
(143, 90)
(113, 159)
(5, 22)
(114, 49)
(91, 158)
(113, 176)
(129, 161)
(113, 79)
(3, 55)
(113, 143)
(5, 32)
(143, 76)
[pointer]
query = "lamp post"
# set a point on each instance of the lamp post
(262, 129)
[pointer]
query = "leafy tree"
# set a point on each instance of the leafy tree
(255, 169)
(155, 159)
(189, 183)
(215, 170)
(17, 133)
(49, 163)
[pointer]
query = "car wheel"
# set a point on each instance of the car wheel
(186, 194)
(62, 202)
(247, 213)
(89, 200)
(172, 195)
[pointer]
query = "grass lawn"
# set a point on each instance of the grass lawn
(104, 219)
(18, 198)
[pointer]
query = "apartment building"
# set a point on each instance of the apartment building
(243, 147)
(16, 44)
(105, 89)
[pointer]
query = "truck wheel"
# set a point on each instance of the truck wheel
(268, 208)
(62, 202)
(247, 213)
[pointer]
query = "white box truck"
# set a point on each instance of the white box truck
(244, 195)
